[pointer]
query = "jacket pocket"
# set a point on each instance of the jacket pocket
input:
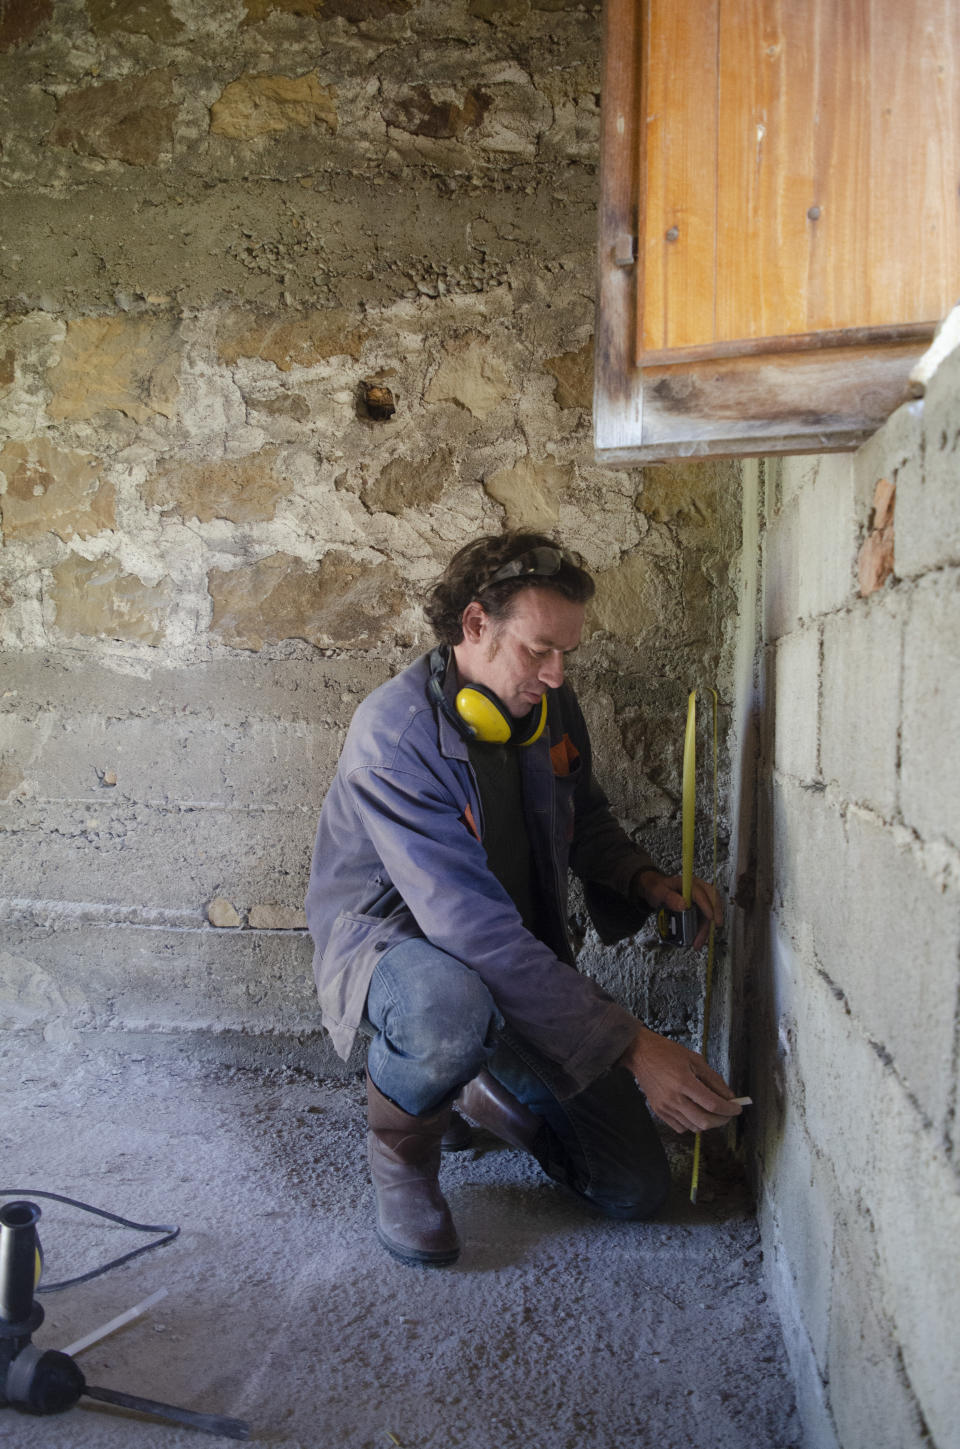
(343, 971)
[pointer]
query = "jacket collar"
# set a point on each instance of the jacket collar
(451, 743)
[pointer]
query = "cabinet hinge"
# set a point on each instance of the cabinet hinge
(625, 250)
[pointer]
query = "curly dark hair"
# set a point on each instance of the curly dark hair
(468, 574)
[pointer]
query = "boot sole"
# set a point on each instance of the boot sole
(418, 1257)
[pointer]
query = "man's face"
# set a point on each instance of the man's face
(521, 656)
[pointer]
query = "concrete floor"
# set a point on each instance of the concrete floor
(555, 1330)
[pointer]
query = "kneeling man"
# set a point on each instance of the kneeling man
(438, 907)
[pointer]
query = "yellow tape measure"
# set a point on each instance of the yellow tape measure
(679, 928)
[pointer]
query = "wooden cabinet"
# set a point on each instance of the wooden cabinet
(780, 219)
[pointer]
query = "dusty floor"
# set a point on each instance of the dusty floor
(555, 1330)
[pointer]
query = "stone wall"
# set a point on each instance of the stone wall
(850, 843)
(298, 298)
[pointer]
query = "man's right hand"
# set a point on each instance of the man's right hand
(679, 1085)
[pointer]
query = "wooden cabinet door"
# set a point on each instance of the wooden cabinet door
(780, 219)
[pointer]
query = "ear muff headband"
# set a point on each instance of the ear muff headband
(488, 721)
(478, 714)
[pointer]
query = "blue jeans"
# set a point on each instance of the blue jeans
(435, 1025)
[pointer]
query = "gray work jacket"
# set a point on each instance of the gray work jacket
(399, 853)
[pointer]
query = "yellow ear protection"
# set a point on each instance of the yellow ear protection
(478, 713)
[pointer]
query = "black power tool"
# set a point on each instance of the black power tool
(49, 1382)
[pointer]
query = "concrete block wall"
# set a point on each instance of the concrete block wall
(223, 226)
(854, 936)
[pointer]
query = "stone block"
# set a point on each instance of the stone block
(20, 22)
(895, 916)
(129, 120)
(531, 492)
(573, 372)
(781, 572)
(828, 537)
(283, 405)
(900, 1196)
(265, 105)
(288, 340)
(917, 1219)
(223, 914)
(259, 10)
(32, 995)
(860, 707)
(809, 850)
(872, 1401)
(873, 909)
(409, 483)
(133, 978)
(693, 498)
(124, 363)
(839, 1084)
(15, 747)
(441, 112)
(339, 602)
(811, 1393)
(141, 859)
(802, 1187)
(854, 1103)
(182, 762)
(271, 917)
(240, 490)
(152, 18)
(353, 11)
(930, 763)
(471, 376)
(928, 515)
(98, 600)
(795, 685)
(635, 596)
(53, 490)
(233, 694)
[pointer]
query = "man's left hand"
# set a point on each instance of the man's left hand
(664, 890)
(679, 1085)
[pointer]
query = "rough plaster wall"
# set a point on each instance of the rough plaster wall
(225, 225)
(854, 932)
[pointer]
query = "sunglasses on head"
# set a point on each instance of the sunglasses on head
(541, 562)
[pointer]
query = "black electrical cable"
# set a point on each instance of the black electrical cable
(171, 1231)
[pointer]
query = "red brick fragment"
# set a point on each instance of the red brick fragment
(884, 498)
(875, 560)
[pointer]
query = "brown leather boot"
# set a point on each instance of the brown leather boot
(488, 1103)
(458, 1136)
(413, 1219)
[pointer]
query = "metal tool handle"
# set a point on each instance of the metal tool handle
(206, 1423)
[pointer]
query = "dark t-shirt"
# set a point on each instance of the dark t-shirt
(505, 837)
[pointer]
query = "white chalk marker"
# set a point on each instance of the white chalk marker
(120, 1321)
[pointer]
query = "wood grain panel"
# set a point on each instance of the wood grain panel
(618, 396)
(677, 238)
(836, 146)
(838, 282)
(802, 403)
(767, 64)
(790, 308)
(913, 242)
